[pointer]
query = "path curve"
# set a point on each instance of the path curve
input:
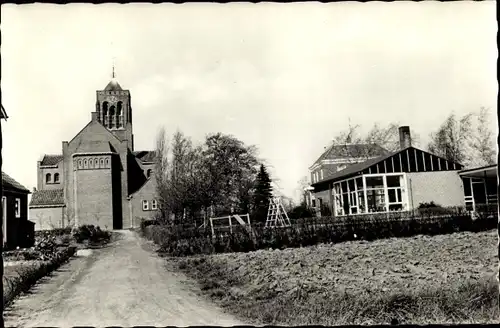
(123, 284)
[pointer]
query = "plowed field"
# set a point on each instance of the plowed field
(423, 279)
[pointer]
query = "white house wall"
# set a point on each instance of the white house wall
(46, 218)
(443, 188)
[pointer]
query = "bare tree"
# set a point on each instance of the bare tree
(162, 174)
(482, 141)
(355, 146)
(452, 138)
(467, 140)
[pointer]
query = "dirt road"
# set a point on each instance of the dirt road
(123, 284)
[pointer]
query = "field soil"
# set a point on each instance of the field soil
(398, 274)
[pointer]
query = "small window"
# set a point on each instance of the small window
(85, 164)
(56, 178)
(18, 208)
(102, 162)
(80, 164)
(107, 162)
(154, 205)
(145, 205)
(48, 178)
(148, 173)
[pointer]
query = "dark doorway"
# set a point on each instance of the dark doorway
(117, 193)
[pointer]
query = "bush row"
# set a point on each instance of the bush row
(183, 241)
(28, 276)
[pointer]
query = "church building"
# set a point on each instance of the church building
(99, 178)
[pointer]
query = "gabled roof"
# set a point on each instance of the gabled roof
(12, 185)
(359, 167)
(145, 156)
(3, 113)
(88, 125)
(352, 151)
(53, 197)
(49, 160)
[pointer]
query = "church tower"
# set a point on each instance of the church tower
(114, 110)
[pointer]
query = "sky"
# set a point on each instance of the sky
(286, 78)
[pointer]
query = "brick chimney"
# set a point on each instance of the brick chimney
(404, 137)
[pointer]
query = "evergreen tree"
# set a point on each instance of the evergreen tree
(262, 194)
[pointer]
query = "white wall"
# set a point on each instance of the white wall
(442, 187)
(46, 218)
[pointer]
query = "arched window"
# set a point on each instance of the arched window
(98, 110)
(80, 164)
(104, 113)
(85, 164)
(112, 119)
(119, 115)
(91, 163)
(107, 162)
(56, 178)
(148, 173)
(48, 178)
(102, 162)
(96, 163)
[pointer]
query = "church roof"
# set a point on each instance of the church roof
(113, 85)
(47, 197)
(145, 156)
(49, 160)
(10, 184)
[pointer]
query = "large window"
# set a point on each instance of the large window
(370, 193)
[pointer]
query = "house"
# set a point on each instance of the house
(18, 231)
(98, 178)
(393, 181)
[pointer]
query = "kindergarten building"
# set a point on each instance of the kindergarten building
(401, 180)
(98, 178)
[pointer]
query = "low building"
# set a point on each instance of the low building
(480, 188)
(394, 181)
(18, 231)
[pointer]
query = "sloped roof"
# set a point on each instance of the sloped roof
(145, 156)
(352, 151)
(9, 183)
(51, 159)
(47, 197)
(359, 167)
(113, 85)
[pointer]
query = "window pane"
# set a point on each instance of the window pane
(351, 185)
(392, 195)
(376, 200)
(400, 198)
(395, 207)
(344, 186)
(393, 181)
(361, 201)
(359, 183)
(374, 182)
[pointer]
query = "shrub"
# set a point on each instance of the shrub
(91, 234)
(183, 240)
(28, 276)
